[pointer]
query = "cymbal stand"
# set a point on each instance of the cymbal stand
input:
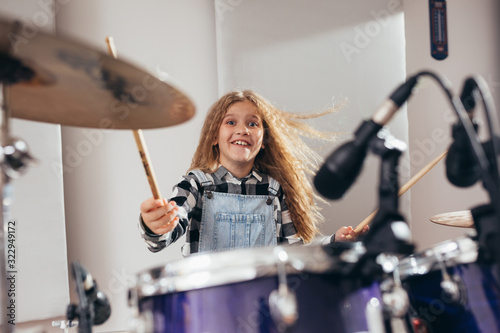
(14, 158)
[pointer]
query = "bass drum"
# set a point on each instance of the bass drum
(449, 291)
(285, 288)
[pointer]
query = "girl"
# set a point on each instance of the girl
(247, 185)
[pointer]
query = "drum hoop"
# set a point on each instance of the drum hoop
(462, 250)
(205, 270)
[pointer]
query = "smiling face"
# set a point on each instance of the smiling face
(240, 138)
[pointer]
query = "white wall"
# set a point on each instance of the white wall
(473, 33)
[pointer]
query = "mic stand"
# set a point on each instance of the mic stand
(84, 311)
(389, 232)
(486, 217)
(389, 236)
(487, 220)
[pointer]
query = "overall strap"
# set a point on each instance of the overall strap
(207, 184)
(273, 186)
(272, 189)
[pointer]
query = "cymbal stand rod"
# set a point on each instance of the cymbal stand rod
(5, 201)
(5, 128)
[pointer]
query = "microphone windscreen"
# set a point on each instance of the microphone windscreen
(330, 184)
(462, 169)
(467, 97)
(102, 309)
(340, 170)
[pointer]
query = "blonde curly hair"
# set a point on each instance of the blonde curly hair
(286, 157)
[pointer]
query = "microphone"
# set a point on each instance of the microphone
(462, 169)
(343, 166)
(98, 304)
(467, 97)
(102, 308)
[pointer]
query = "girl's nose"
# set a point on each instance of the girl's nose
(242, 129)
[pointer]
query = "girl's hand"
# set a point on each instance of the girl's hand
(347, 234)
(159, 216)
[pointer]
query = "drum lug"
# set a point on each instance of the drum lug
(142, 323)
(394, 296)
(396, 301)
(374, 316)
(283, 302)
(139, 322)
(451, 285)
(451, 289)
(65, 324)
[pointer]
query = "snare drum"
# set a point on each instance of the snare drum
(230, 292)
(449, 291)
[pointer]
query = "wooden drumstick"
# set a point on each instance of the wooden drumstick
(139, 140)
(405, 188)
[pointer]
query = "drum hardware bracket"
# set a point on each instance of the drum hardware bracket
(139, 322)
(394, 296)
(451, 285)
(353, 254)
(283, 302)
(15, 158)
(374, 316)
(65, 324)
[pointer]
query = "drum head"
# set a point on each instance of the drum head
(458, 251)
(213, 269)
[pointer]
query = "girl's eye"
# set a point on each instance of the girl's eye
(253, 124)
(230, 122)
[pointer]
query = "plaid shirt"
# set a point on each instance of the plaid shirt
(188, 195)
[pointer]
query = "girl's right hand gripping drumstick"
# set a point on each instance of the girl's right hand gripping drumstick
(143, 152)
(139, 140)
(404, 188)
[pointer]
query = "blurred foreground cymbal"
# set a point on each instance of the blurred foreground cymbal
(461, 219)
(76, 85)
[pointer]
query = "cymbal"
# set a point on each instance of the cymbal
(76, 85)
(461, 219)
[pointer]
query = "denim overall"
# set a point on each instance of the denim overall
(233, 221)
